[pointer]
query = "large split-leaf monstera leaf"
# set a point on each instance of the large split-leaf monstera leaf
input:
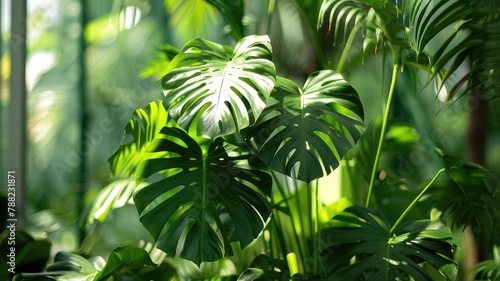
(304, 133)
(365, 235)
(204, 200)
(215, 93)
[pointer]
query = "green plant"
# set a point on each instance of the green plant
(230, 163)
(233, 124)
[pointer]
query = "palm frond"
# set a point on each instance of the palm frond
(375, 21)
(473, 41)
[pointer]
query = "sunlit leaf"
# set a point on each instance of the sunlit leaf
(66, 266)
(470, 197)
(113, 196)
(373, 21)
(214, 95)
(304, 133)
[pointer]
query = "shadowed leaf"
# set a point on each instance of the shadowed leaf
(361, 247)
(206, 199)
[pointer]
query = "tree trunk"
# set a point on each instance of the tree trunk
(475, 151)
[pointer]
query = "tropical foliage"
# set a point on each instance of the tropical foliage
(239, 165)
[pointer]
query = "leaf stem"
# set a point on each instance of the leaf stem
(347, 47)
(270, 13)
(415, 201)
(382, 132)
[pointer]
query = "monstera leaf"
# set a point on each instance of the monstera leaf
(233, 12)
(205, 199)
(471, 196)
(139, 132)
(361, 247)
(304, 133)
(218, 94)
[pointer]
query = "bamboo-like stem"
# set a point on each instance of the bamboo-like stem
(270, 14)
(281, 189)
(415, 201)
(382, 132)
(313, 32)
(348, 45)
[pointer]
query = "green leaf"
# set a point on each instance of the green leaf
(157, 66)
(233, 12)
(193, 18)
(399, 138)
(139, 133)
(360, 247)
(213, 95)
(304, 133)
(374, 21)
(113, 196)
(132, 263)
(488, 269)
(470, 197)
(266, 268)
(206, 199)
(127, 263)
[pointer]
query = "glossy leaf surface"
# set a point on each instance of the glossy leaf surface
(304, 133)
(205, 199)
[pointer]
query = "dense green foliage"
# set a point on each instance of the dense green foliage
(239, 165)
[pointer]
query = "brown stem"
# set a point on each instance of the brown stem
(475, 151)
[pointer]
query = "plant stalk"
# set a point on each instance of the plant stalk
(415, 201)
(382, 132)
(348, 44)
